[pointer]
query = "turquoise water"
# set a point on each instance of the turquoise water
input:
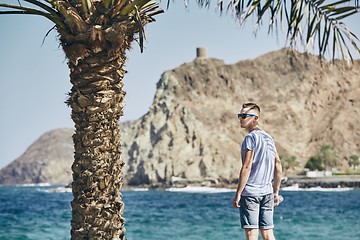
(34, 213)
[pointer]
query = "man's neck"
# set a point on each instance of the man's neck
(253, 128)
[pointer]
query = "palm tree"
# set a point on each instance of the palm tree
(316, 23)
(328, 156)
(95, 35)
(354, 161)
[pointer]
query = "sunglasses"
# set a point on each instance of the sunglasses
(245, 115)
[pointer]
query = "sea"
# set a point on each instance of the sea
(192, 213)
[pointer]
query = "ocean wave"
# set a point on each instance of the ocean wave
(296, 187)
(139, 189)
(194, 189)
(57, 190)
(34, 185)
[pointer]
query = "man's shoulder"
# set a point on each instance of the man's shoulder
(262, 132)
(262, 135)
(258, 133)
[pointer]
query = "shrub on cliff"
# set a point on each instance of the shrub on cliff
(314, 164)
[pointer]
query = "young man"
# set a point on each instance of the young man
(260, 177)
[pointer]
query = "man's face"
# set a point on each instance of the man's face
(247, 117)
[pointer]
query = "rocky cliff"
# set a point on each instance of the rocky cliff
(47, 160)
(191, 132)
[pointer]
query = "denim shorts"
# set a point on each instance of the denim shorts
(257, 212)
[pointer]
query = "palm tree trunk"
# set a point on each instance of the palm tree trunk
(97, 101)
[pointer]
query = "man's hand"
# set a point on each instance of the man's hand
(277, 199)
(243, 176)
(236, 200)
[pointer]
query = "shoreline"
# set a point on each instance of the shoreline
(297, 182)
(293, 182)
(335, 181)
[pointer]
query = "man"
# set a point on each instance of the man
(260, 177)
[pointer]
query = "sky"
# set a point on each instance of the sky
(34, 76)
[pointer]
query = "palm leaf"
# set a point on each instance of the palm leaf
(336, 3)
(341, 39)
(298, 19)
(334, 44)
(310, 29)
(30, 11)
(141, 29)
(326, 35)
(87, 7)
(132, 6)
(346, 15)
(118, 7)
(262, 11)
(317, 18)
(342, 11)
(350, 36)
(43, 6)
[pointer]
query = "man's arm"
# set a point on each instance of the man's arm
(277, 178)
(243, 177)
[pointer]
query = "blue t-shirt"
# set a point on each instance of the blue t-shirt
(263, 164)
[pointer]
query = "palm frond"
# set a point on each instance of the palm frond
(86, 7)
(136, 4)
(43, 6)
(318, 19)
(330, 16)
(143, 16)
(18, 9)
(142, 35)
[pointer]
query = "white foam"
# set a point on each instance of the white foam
(338, 189)
(58, 190)
(194, 189)
(139, 189)
(296, 187)
(34, 185)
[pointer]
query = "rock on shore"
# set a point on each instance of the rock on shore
(337, 181)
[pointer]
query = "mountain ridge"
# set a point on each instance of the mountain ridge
(191, 132)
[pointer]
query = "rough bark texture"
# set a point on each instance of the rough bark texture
(95, 38)
(97, 100)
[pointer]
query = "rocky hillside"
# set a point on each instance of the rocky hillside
(191, 132)
(47, 160)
